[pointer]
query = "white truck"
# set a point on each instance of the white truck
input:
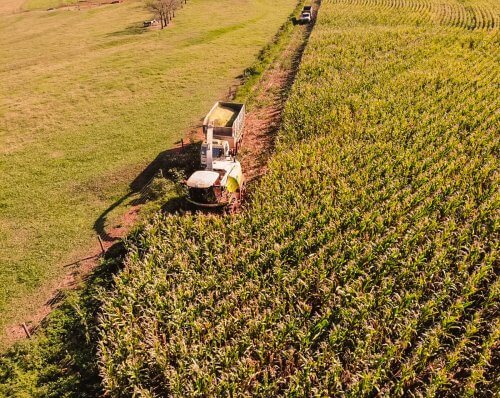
(306, 15)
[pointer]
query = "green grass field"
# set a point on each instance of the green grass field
(367, 262)
(88, 100)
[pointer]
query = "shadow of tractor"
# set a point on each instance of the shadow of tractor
(183, 159)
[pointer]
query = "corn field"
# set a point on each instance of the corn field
(366, 263)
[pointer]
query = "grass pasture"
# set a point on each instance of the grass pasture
(30, 5)
(45, 4)
(367, 262)
(88, 100)
(10, 6)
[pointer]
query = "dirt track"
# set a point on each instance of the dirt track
(264, 118)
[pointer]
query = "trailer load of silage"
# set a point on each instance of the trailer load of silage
(224, 116)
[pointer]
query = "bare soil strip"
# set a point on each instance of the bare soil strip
(261, 125)
(264, 120)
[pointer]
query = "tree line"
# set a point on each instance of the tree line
(164, 10)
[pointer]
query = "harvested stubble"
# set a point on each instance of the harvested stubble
(367, 262)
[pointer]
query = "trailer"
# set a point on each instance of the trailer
(228, 120)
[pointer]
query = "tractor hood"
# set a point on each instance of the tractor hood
(202, 179)
(227, 173)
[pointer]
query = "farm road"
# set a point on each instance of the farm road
(264, 119)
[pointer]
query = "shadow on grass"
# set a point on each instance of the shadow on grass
(183, 158)
(61, 361)
(134, 29)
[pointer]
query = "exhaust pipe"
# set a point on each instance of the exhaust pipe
(210, 135)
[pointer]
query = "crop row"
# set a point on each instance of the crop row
(449, 13)
(367, 260)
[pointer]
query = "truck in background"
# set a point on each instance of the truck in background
(306, 15)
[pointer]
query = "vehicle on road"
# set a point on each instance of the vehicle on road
(306, 15)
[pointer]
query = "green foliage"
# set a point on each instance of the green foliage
(367, 260)
(160, 188)
(163, 194)
(60, 361)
